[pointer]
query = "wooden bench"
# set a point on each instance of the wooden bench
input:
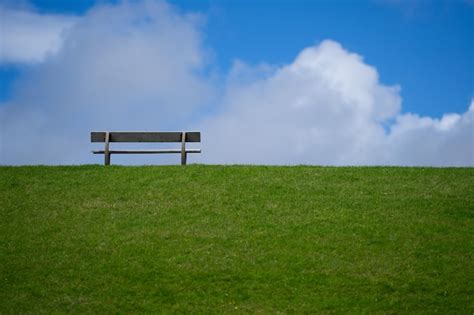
(181, 137)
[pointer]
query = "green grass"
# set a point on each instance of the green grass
(224, 239)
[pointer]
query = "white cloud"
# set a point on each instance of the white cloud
(29, 37)
(328, 107)
(448, 141)
(141, 66)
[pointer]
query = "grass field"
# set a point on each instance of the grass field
(225, 239)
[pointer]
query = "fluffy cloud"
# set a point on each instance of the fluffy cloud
(328, 107)
(415, 140)
(28, 37)
(141, 66)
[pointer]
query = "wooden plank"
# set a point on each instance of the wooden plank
(147, 151)
(145, 136)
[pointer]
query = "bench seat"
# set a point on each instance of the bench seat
(147, 151)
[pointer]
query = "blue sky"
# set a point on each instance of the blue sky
(379, 82)
(427, 47)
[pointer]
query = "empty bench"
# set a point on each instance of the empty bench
(181, 137)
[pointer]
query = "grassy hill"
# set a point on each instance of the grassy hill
(224, 239)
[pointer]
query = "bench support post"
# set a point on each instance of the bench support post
(183, 148)
(106, 150)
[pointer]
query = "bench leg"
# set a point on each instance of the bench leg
(183, 158)
(107, 158)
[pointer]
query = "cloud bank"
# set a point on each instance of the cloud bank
(143, 66)
(27, 37)
(328, 107)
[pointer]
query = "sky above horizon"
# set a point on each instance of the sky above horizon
(382, 82)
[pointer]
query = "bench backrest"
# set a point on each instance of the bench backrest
(141, 136)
